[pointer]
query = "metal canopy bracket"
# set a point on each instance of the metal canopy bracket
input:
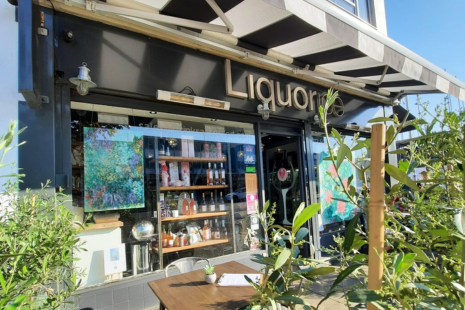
(93, 6)
(334, 76)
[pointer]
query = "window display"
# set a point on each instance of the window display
(178, 184)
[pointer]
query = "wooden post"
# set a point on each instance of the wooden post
(462, 269)
(376, 209)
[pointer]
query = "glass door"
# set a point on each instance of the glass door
(283, 176)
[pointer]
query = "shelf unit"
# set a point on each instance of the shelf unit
(193, 246)
(157, 158)
(193, 159)
(191, 188)
(196, 216)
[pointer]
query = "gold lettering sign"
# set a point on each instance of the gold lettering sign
(311, 100)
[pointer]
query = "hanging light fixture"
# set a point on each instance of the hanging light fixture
(83, 81)
(264, 110)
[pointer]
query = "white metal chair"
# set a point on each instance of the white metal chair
(184, 265)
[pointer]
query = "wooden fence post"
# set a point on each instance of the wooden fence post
(376, 209)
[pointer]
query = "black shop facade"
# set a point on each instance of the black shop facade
(167, 125)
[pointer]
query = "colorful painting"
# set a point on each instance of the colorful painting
(113, 169)
(334, 210)
(114, 254)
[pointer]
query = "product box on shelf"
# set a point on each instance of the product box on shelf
(184, 148)
(174, 172)
(190, 143)
(185, 174)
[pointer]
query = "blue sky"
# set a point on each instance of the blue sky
(433, 29)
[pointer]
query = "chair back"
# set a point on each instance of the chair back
(185, 264)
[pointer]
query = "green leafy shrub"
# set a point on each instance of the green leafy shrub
(423, 250)
(284, 269)
(37, 240)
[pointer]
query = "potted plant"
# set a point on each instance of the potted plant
(210, 275)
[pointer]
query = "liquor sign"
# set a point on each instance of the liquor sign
(299, 98)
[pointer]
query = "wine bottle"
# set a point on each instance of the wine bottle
(217, 232)
(170, 237)
(212, 204)
(193, 205)
(224, 231)
(221, 205)
(203, 204)
(161, 147)
(216, 177)
(222, 174)
(206, 231)
(209, 175)
(185, 206)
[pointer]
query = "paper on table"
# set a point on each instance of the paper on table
(237, 279)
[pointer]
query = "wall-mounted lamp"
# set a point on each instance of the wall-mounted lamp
(83, 81)
(264, 110)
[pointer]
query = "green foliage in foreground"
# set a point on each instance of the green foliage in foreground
(423, 267)
(37, 240)
(284, 269)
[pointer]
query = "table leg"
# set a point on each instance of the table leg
(162, 306)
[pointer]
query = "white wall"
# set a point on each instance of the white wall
(380, 16)
(8, 76)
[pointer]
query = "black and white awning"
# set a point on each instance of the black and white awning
(327, 44)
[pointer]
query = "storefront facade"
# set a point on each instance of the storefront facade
(126, 130)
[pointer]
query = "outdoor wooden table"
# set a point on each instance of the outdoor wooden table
(190, 291)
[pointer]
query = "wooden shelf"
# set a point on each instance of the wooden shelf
(77, 143)
(191, 188)
(194, 246)
(77, 167)
(104, 226)
(196, 216)
(193, 159)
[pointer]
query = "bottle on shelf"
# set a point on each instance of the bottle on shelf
(217, 232)
(212, 204)
(185, 206)
(161, 147)
(170, 237)
(164, 238)
(219, 154)
(216, 176)
(193, 205)
(209, 174)
(206, 149)
(222, 174)
(185, 179)
(167, 148)
(207, 233)
(224, 231)
(221, 204)
(203, 204)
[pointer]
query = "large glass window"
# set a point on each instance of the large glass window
(160, 187)
(335, 210)
(361, 8)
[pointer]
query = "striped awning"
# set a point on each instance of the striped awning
(303, 34)
(314, 37)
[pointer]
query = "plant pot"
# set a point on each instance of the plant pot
(210, 278)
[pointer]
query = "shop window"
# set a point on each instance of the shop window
(160, 187)
(361, 8)
(335, 213)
